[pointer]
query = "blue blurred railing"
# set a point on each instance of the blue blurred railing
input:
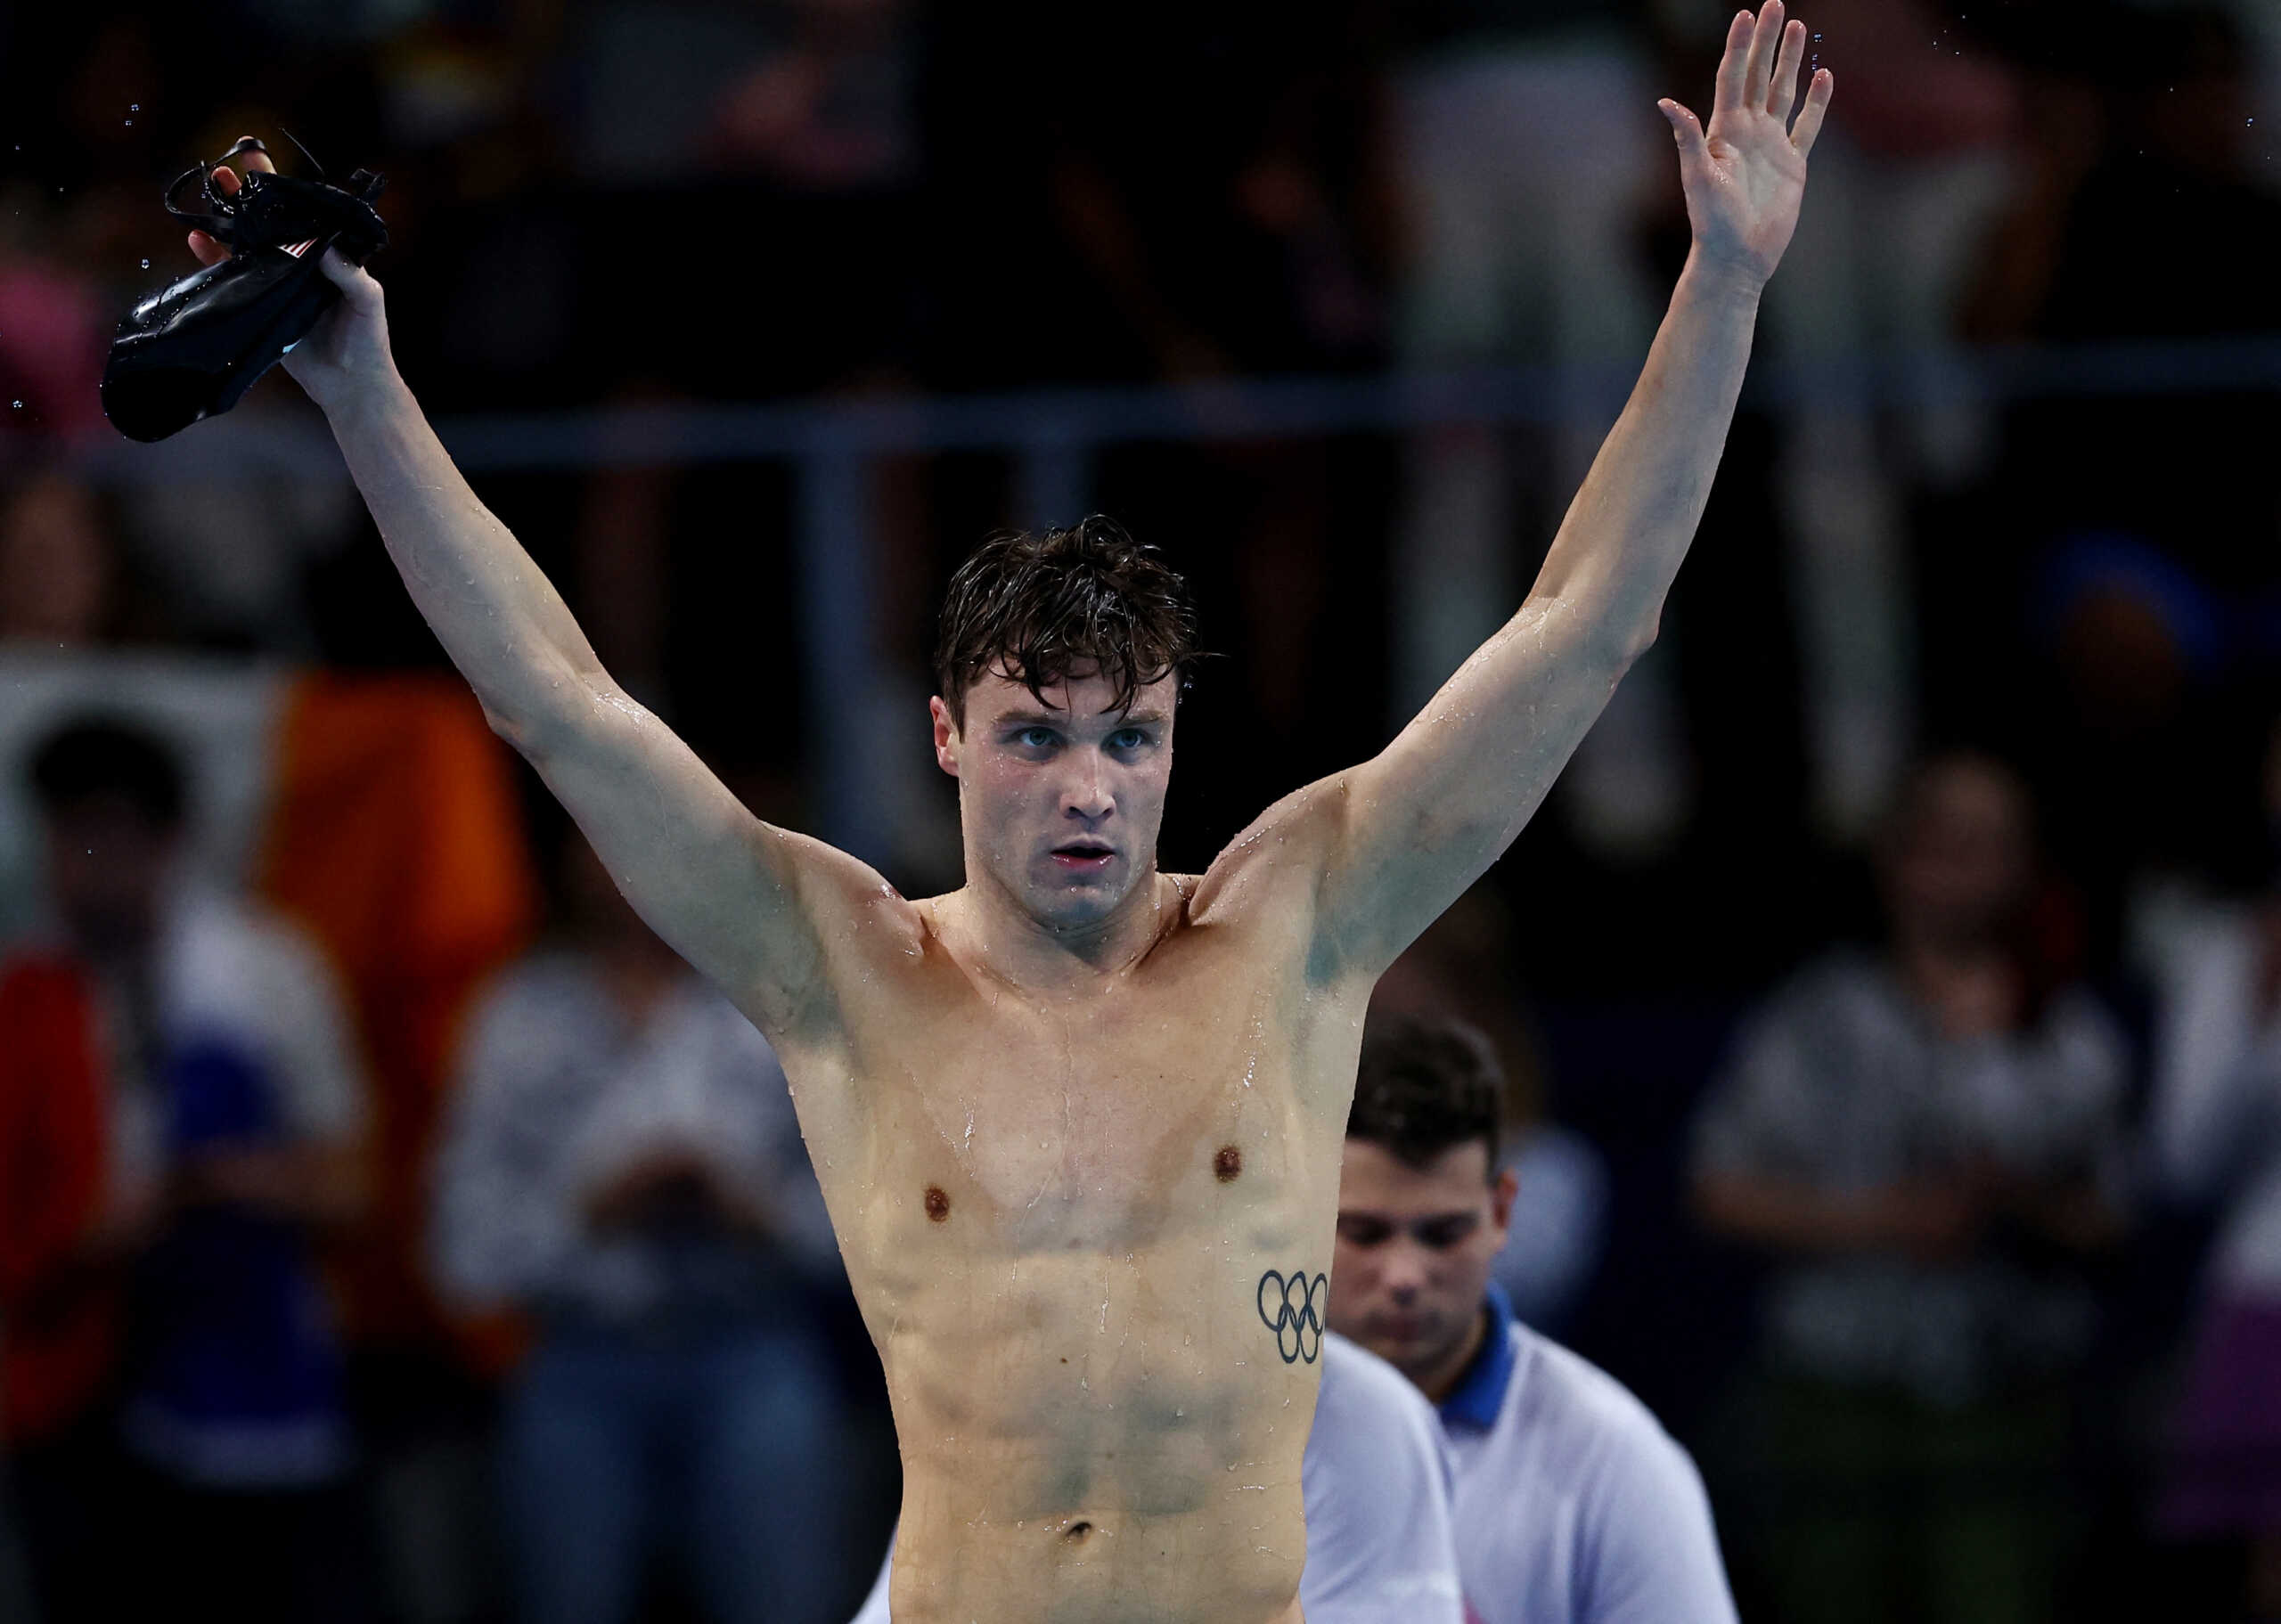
(1053, 437)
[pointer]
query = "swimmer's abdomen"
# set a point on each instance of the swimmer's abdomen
(1093, 1358)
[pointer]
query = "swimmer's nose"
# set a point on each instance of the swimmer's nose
(1087, 796)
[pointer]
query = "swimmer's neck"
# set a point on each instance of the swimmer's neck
(985, 925)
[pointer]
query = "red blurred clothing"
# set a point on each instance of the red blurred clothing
(54, 338)
(395, 840)
(62, 1320)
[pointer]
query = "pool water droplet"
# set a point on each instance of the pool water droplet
(134, 107)
(18, 404)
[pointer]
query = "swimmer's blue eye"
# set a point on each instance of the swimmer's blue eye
(1128, 739)
(1034, 738)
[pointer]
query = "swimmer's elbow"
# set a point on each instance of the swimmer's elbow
(1618, 642)
(557, 714)
(1642, 637)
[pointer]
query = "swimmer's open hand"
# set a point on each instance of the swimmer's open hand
(349, 344)
(1745, 176)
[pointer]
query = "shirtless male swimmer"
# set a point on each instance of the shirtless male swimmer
(1080, 1124)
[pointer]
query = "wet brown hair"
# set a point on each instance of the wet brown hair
(1036, 608)
(1424, 1087)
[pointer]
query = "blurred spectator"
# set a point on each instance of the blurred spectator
(623, 1163)
(197, 1057)
(1464, 969)
(63, 1226)
(2215, 1124)
(2147, 597)
(394, 837)
(1926, 1142)
(1918, 156)
(54, 332)
(815, 93)
(1573, 1505)
(1223, 231)
(788, 124)
(58, 566)
(1527, 155)
(227, 553)
(830, 110)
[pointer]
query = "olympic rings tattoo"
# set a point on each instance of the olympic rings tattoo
(1293, 1310)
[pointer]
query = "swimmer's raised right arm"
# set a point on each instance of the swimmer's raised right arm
(746, 904)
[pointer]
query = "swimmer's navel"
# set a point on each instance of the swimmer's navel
(1077, 1531)
(938, 1204)
(1228, 1165)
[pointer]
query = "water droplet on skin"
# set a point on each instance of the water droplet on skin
(146, 265)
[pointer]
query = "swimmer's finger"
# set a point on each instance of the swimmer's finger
(206, 250)
(1809, 124)
(226, 181)
(1786, 70)
(345, 273)
(1686, 129)
(1765, 42)
(1734, 66)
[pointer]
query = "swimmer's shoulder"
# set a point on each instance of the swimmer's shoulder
(859, 927)
(1277, 862)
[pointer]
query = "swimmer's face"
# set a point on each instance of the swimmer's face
(1414, 1250)
(1059, 799)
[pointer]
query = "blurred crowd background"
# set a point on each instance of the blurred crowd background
(391, 1230)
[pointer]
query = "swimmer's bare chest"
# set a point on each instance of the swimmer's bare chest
(1090, 1237)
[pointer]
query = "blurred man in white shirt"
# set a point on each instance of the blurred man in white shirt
(1572, 1504)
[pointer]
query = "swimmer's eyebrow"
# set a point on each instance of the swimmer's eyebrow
(1054, 719)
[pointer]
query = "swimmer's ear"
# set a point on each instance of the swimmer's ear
(946, 736)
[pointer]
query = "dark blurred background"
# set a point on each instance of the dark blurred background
(374, 1194)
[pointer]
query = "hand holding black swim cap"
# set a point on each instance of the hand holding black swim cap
(192, 350)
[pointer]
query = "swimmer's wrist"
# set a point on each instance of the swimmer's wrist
(354, 397)
(1725, 279)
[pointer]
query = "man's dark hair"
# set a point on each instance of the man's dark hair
(1426, 1087)
(95, 757)
(1038, 608)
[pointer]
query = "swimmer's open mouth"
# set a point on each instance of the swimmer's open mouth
(1084, 854)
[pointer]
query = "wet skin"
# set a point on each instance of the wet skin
(1058, 1195)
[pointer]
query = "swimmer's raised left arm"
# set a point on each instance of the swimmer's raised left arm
(1405, 833)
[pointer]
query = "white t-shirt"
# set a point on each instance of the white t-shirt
(1574, 1506)
(2214, 1113)
(1379, 1547)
